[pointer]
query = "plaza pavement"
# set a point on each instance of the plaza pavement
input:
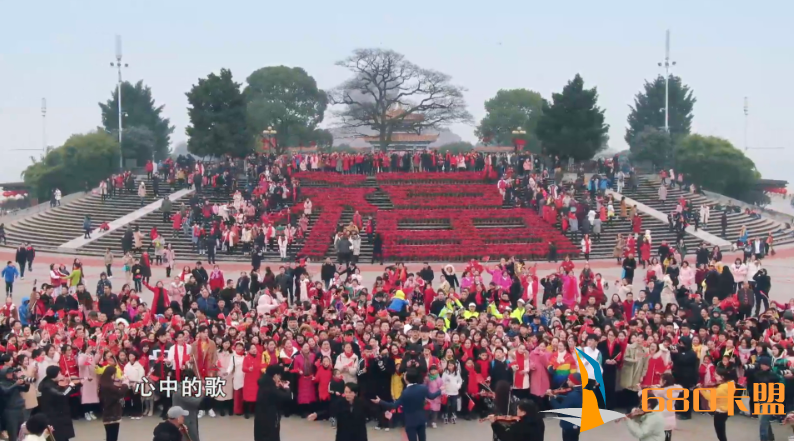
(699, 428)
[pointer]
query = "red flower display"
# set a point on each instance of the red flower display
(443, 195)
(478, 226)
(330, 178)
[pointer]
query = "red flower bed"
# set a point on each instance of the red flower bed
(443, 195)
(330, 178)
(332, 203)
(463, 241)
(528, 242)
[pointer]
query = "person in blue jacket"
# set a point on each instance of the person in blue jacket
(571, 400)
(23, 311)
(412, 402)
(10, 274)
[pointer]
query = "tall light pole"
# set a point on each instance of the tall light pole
(667, 64)
(44, 125)
(746, 115)
(119, 65)
(746, 122)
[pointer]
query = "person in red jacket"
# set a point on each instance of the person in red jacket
(252, 368)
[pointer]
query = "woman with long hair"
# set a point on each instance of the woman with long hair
(111, 395)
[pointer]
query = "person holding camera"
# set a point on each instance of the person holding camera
(12, 385)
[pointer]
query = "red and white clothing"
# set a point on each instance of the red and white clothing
(177, 357)
(521, 372)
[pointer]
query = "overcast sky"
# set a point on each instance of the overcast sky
(725, 51)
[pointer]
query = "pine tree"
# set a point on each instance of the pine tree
(572, 126)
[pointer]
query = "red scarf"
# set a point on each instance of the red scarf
(521, 380)
(178, 362)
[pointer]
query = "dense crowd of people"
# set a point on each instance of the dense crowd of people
(322, 343)
(71, 353)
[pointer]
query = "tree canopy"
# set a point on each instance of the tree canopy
(288, 100)
(66, 168)
(655, 146)
(388, 94)
(509, 110)
(648, 108)
(717, 165)
(217, 112)
(138, 110)
(572, 126)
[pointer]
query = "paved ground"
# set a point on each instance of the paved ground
(293, 429)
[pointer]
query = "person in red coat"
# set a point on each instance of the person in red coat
(252, 368)
(636, 224)
(645, 253)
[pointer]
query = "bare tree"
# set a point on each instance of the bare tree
(388, 93)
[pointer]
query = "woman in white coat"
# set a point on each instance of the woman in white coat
(266, 303)
(235, 375)
(133, 371)
(282, 247)
(225, 400)
(142, 192)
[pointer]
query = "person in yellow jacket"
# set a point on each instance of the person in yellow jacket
(452, 306)
(519, 312)
(494, 311)
(471, 312)
(723, 402)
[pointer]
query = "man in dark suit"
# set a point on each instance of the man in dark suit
(412, 401)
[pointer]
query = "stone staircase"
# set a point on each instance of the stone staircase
(48, 230)
(182, 244)
(647, 192)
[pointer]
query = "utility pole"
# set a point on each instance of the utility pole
(667, 64)
(746, 118)
(44, 125)
(119, 65)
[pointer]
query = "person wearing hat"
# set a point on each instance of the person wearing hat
(762, 372)
(571, 400)
(273, 396)
(171, 428)
(54, 402)
(11, 387)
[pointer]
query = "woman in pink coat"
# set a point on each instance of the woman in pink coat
(303, 368)
(539, 381)
(434, 383)
(569, 289)
(89, 393)
(686, 276)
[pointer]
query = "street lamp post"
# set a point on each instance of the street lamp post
(118, 65)
(518, 139)
(268, 135)
(667, 64)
